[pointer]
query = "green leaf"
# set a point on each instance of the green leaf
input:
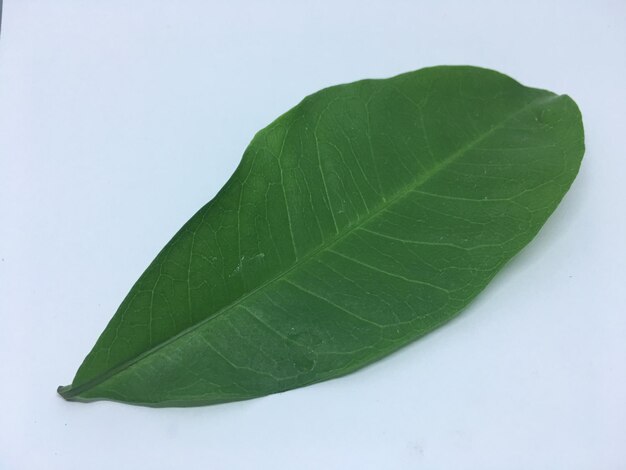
(358, 221)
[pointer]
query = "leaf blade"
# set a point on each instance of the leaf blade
(303, 286)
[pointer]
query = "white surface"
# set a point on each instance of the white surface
(118, 120)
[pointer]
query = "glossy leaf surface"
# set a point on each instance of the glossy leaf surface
(360, 220)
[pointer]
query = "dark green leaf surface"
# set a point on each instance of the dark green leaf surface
(358, 221)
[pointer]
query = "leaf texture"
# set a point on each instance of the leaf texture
(363, 218)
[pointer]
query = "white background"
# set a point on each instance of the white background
(118, 120)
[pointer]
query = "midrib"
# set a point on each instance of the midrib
(70, 391)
